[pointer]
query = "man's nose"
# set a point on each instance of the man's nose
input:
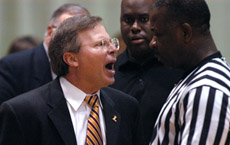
(112, 48)
(135, 27)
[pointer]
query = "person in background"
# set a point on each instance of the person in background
(23, 43)
(138, 72)
(76, 108)
(30, 69)
(197, 110)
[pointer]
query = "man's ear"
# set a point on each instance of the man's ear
(187, 31)
(70, 59)
(49, 30)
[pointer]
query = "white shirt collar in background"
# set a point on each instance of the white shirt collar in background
(46, 50)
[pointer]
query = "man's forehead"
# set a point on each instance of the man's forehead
(160, 19)
(136, 4)
(158, 13)
(94, 32)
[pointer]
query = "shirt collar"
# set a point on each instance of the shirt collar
(46, 49)
(74, 95)
(205, 60)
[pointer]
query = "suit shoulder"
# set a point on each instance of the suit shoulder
(17, 57)
(22, 57)
(31, 98)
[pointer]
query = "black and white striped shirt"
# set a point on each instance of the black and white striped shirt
(197, 110)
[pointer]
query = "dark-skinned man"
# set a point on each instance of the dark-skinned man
(138, 72)
(197, 111)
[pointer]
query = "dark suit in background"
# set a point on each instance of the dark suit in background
(23, 71)
(30, 69)
(41, 117)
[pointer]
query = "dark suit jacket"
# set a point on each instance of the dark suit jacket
(23, 71)
(41, 117)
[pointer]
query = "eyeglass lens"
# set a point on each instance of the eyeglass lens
(115, 42)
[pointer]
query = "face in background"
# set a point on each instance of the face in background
(135, 27)
(167, 41)
(95, 63)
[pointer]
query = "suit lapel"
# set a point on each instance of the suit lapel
(59, 114)
(112, 118)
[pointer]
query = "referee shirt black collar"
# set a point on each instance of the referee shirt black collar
(205, 60)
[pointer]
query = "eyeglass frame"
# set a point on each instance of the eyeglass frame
(113, 41)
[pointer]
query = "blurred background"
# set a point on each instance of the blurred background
(30, 17)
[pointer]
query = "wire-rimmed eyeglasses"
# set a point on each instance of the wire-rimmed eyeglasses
(106, 43)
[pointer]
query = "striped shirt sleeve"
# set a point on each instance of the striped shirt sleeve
(206, 117)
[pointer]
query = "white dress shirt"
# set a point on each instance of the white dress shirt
(80, 111)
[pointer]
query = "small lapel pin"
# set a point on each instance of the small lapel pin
(115, 118)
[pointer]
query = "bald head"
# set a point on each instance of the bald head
(60, 14)
(70, 9)
(194, 12)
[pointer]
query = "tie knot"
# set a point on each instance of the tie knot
(92, 100)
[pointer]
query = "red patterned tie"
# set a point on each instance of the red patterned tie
(93, 136)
